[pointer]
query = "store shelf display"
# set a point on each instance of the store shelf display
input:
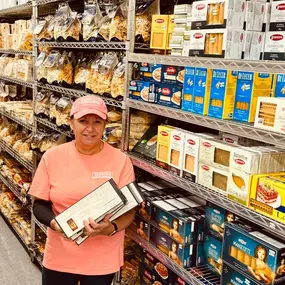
(19, 52)
(42, 227)
(17, 81)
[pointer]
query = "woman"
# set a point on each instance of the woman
(66, 174)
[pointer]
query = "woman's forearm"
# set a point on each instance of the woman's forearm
(125, 221)
(43, 212)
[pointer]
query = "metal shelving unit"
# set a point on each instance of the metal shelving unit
(52, 126)
(237, 128)
(24, 10)
(230, 64)
(78, 93)
(12, 116)
(19, 52)
(199, 275)
(6, 147)
(17, 81)
(42, 227)
(210, 195)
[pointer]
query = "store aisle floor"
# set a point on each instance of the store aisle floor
(15, 265)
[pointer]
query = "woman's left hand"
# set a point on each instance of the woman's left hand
(103, 228)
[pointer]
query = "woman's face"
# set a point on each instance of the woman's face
(143, 205)
(261, 254)
(141, 225)
(230, 218)
(174, 247)
(88, 130)
(175, 225)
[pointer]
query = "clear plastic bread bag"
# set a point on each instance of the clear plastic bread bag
(42, 104)
(119, 24)
(52, 107)
(72, 29)
(41, 70)
(52, 65)
(62, 15)
(63, 107)
(104, 28)
(106, 68)
(118, 82)
(81, 72)
(44, 31)
(26, 40)
(8, 70)
(25, 70)
(92, 83)
(65, 76)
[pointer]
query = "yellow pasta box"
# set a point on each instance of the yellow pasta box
(171, 26)
(159, 32)
(267, 195)
(222, 94)
(250, 86)
(163, 146)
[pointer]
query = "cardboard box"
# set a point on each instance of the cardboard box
(277, 16)
(150, 72)
(202, 91)
(185, 227)
(267, 195)
(188, 91)
(213, 178)
(279, 86)
(222, 94)
(254, 16)
(274, 47)
(5, 30)
(237, 140)
(182, 9)
(253, 45)
(267, 16)
(215, 220)
(213, 14)
(172, 75)
(141, 227)
(177, 142)
(185, 256)
(253, 253)
(250, 86)
(221, 43)
(232, 276)
(159, 32)
(168, 95)
(213, 254)
(142, 91)
(171, 26)
(270, 114)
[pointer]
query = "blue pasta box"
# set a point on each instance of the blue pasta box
(215, 220)
(250, 86)
(279, 85)
(222, 95)
(173, 75)
(168, 95)
(213, 254)
(188, 91)
(141, 227)
(202, 88)
(142, 91)
(178, 220)
(254, 253)
(150, 72)
(183, 255)
(232, 276)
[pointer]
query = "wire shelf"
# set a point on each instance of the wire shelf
(12, 51)
(209, 195)
(41, 226)
(17, 81)
(24, 9)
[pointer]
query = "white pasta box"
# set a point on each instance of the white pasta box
(254, 16)
(277, 22)
(177, 142)
(253, 45)
(214, 14)
(213, 178)
(222, 43)
(216, 153)
(270, 114)
(182, 9)
(274, 47)
(266, 23)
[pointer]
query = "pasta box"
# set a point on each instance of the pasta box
(189, 81)
(172, 217)
(172, 75)
(183, 255)
(142, 91)
(141, 227)
(254, 253)
(150, 72)
(168, 95)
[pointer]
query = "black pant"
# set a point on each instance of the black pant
(51, 277)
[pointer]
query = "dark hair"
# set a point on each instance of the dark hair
(265, 251)
(71, 117)
(175, 221)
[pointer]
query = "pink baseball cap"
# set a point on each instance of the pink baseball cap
(89, 105)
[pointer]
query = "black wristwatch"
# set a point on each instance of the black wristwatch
(115, 231)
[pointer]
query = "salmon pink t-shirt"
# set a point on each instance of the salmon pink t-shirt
(63, 177)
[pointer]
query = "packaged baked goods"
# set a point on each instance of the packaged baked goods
(92, 83)
(104, 28)
(114, 116)
(142, 118)
(26, 41)
(63, 107)
(65, 76)
(118, 82)
(41, 69)
(24, 70)
(106, 68)
(45, 29)
(72, 28)
(81, 72)
(52, 141)
(61, 18)
(4, 60)
(8, 69)
(52, 65)
(113, 134)
(42, 104)
(37, 141)
(52, 107)
(119, 24)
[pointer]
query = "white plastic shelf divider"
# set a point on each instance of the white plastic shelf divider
(19, 52)
(17, 81)
(210, 195)
(78, 93)
(196, 275)
(6, 147)
(12, 116)
(237, 128)
(52, 126)
(270, 66)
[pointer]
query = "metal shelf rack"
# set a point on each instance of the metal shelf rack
(12, 116)
(17, 81)
(237, 128)
(42, 227)
(192, 276)
(6, 147)
(52, 126)
(78, 93)
(24, 9)
(229, 64)
(209, 195)
(19, 52)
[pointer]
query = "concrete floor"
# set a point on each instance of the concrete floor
(15, 265)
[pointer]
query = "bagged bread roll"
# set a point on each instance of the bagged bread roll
(118, 81)
(65, 76)
(92, 83)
